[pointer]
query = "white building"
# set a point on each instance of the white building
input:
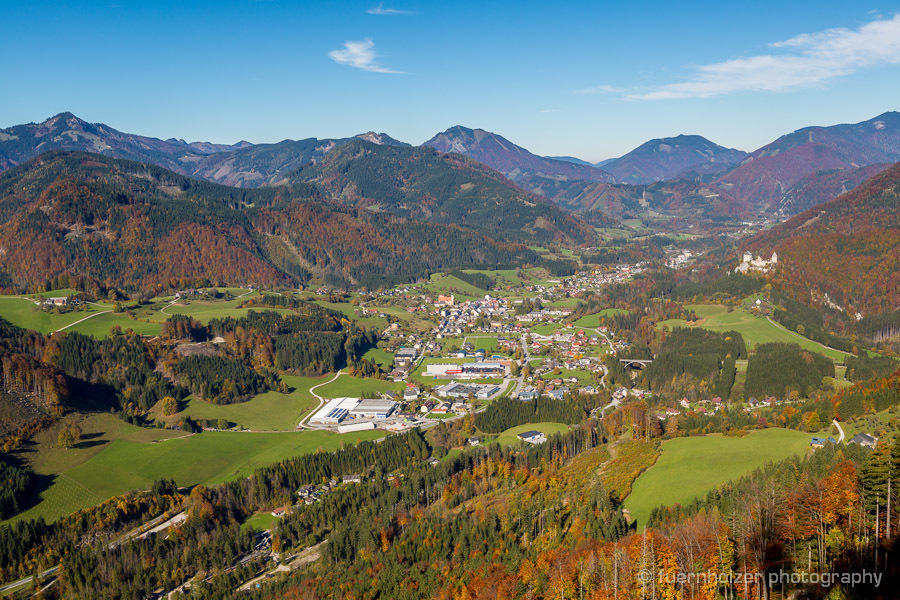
(334, 411)
(373, 409)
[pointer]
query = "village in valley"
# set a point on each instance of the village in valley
(453, 356)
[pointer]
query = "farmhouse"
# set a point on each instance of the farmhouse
(819, 442)
(865, 440)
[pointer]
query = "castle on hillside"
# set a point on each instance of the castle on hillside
(756, 263)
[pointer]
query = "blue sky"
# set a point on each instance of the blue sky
(590, 79)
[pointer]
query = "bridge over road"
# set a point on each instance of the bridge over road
(636, 362)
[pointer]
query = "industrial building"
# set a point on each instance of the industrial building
(373, 409)
(334, 411)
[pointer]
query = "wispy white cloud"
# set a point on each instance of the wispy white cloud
(361, 55)
(805, 60)
(550, 110)
(596, 90)
(382, 11)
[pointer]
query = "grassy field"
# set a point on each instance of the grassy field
(355, 387)
(24, 313)
(119, 458)
(145, 320)
(584, 377)
(441, 283)
(701, 463)
(270, 411)
(508, 437)
(486, 343)
(260, 522)
(100, 325)
(547, 328)
(594, 319)
(755, 330)
(202, 310)
(380, 357)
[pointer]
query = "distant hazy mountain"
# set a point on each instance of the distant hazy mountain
(513, 161)
(65, 131)
(847, 249)
(765, 176)
(139, 226)
(570, 159)
(672, 158)
(426, 185)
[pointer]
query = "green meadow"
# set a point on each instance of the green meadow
(356, 387)
(755, 330)
(594, 319)
(114, 457)
(23, 312)
(689, 467)
(269, 411)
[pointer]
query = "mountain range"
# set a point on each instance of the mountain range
(450, 189)
(769, 173)
(66, 216)
(686, 177)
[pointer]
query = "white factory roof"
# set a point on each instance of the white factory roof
(335, 409)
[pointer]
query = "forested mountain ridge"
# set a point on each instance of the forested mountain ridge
(510, 159)
(446, 188)
(847, 249)
(673, 158)
(693, 200)
(767, 173)
(271, 164)
(136, 226)
(822, 186)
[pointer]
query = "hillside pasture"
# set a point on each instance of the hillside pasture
(689, 467)
(122, 459)
(593, 320)
(755, 330)
(269, 411)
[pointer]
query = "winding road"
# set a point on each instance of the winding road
(303, 422)
(840, 430)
